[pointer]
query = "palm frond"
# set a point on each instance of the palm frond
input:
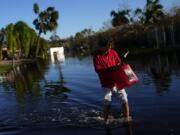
(36, 8)
(50, 9)
(55, 15)
(35, 21)
(113, 13)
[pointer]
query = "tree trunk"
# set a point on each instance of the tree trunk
(164, 36)
(0, 52)
(156, 37)
(38, 45)
(172, 34)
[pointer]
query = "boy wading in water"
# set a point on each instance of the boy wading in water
(106, 60)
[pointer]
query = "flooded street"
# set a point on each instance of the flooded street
(66, 98)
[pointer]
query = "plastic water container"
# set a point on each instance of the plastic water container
(124, 77)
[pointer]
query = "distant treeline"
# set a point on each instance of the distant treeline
(135, 30)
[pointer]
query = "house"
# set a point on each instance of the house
(57, 54)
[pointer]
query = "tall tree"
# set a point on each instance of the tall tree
(24, 37)
(2, 39)
(20, 37)
(87, 32)
(139, 15)
(153, 11)
(11, 35)
(120, 17)
(46, 21)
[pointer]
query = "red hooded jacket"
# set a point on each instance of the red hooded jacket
(103, 64)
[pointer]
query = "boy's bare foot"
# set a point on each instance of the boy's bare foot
(127, 119)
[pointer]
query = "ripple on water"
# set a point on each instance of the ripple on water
(65, 116)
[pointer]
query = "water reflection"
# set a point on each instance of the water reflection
(126, 126)
(57, 88)
(22, 79)
(29, 80)
(160, 70)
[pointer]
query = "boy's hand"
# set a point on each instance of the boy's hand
(116, 67)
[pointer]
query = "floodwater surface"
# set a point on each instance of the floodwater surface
(66, 98)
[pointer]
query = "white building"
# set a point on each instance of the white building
(57, 54)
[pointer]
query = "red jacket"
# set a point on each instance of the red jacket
(103, 64)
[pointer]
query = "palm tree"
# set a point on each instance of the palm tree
(139, 15)
(46, 21)
(120, 17)
(153, 11)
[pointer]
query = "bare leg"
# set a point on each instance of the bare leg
(129, 128)
(126, 114)
(125, 108)
(106, 112)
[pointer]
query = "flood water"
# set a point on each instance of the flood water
(66, 98)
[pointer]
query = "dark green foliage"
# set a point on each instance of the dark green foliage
(21, 40)
(120, 17)
(153, 11)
